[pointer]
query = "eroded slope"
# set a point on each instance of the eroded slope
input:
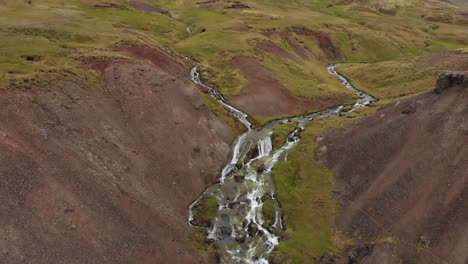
(92, 175)
(401, 177)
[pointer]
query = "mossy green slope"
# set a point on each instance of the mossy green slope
(59, 33)
(305, 191)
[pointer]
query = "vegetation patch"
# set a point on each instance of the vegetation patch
(200, 243)
(52, 33)
(236, 127)
(305, 191)
(393, 79)
(269, 212)
(205, 211)
(281, 132)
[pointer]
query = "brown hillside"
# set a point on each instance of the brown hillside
(401, 177)
(105, 176)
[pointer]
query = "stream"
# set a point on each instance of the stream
(239, 230)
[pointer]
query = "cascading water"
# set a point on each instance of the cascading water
(264, 146)
(240, 230)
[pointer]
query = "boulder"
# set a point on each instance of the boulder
(261, 168)
(241, 238)
(448, 79)
(326, 258)
(410, 109)
(252, 229)
(239, 177)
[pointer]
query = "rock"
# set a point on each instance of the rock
(239, 177)
(252, 229)
(239, 165)
(32, 57)
(238, 5)
(359, 252)
(261, 168)
(233, 205)
(326, 258)
(347, 108)
(3, 134)
(410, 109)
(448, 79)
(251, 154)
(278, 259)
(68, 210)
(266, 197)
(240, 238)
(424, 241)
(225, 231)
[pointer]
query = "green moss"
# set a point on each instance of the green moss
(305, 191)
(198, 240)
(281, 132)
(403, 77)
(205, 211)
(269, 212)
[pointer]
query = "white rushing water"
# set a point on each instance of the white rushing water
(241, 116)
(240, 230)
(264, 146)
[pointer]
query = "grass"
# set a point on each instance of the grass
(269, 212)
(361, 34)
(236, 127)
(207, 209)
(305, 191)
(394, 79)
(59, 32)
(281, 132)
(199, 242)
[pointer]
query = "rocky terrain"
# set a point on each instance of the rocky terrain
(401, 179)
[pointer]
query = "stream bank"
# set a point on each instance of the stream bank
(240, 230)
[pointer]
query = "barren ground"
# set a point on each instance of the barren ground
(401, 177)
(92, 175)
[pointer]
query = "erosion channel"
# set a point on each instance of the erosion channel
(240, 230)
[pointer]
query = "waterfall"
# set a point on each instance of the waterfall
(239, 228)
(264, 146)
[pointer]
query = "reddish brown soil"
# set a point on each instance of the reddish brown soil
(324, 40)
(456, 60)
(211, 4)
(111, 5)
(238, 5)
(223, 4)
(163, 61)
(402, 173)
(274, 49)
(464, 15)
(147, 8)
(91, 175)
(390, 12)
(299, 49)
(265, 96)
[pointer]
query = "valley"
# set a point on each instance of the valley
(303, 131)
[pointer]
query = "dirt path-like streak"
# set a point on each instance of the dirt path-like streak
(240, 230)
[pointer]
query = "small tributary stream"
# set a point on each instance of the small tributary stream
(240, 230)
